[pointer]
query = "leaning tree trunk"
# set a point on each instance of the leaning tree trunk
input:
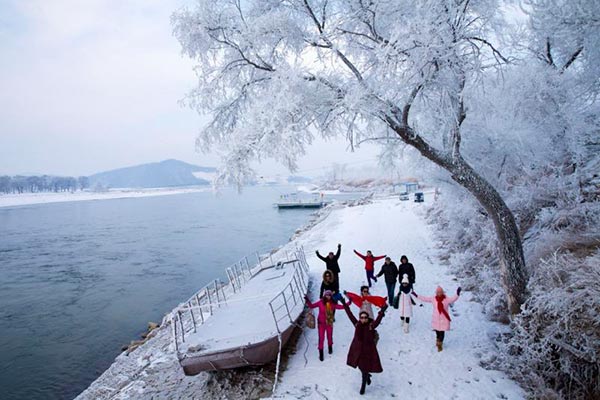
(512, 261)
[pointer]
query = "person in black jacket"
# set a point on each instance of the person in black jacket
(331, 261)
(390, 271)
(329, 283)
(406, 268)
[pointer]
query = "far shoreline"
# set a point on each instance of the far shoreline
(25, 199)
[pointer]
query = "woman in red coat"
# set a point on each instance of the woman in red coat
(370, 264)
(363, 350)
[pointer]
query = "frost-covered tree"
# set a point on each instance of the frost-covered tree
(274, 72)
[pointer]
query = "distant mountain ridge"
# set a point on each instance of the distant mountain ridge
(166, 173)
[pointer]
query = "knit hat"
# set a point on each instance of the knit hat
(327, 293)
(405, 278)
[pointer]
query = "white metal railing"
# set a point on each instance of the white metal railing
(282, 307)
(186, 318)
(240, 272)
(292, 294)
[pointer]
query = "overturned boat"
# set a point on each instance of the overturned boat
(245, 322)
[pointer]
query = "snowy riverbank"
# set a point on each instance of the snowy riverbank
(23, 199)
(411, 364)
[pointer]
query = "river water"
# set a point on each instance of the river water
(78, 280)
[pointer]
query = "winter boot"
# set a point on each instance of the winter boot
(364, 383)
(321, 354)
(368, 379)
(439, 345)
(330, 348)
(405, 327)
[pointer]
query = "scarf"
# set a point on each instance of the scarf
(358, 300)
(440, 306)
(329, 313)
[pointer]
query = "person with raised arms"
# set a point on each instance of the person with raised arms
(363, 349)
(440, 320)
(331, 261)
(369, 264)
(325, 319)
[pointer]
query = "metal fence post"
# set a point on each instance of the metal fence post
(207, 291)
(192, 314)
(228, 270)
(200, 308)
(298, 286)
(181, 326)
(286, 306)
(274, 317)
(223, 292)
(217, 294)
(247, 268)
(174, 323)
(237, 275)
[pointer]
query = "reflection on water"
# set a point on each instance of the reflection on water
(78, 280)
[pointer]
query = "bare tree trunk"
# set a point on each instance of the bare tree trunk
(512, 261)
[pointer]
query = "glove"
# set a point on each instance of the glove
(339, 245)
(337, 297)
(458, 291)
(385, 306)
(306, 299)
(414, 294)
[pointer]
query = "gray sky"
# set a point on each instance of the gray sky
(92, 85)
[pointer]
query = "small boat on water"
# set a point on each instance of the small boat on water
(294, 201)
(245, 322)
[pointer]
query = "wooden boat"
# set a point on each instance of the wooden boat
(245, 322)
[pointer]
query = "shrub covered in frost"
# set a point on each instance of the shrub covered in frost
(555, 346)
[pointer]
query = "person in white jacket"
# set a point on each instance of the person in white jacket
(405, 302)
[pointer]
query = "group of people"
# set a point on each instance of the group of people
(363, 349)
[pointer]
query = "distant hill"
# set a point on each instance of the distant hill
(161, 174)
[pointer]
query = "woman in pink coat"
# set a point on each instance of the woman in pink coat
(325, 319)
(440, 321)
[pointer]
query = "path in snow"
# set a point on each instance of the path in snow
(412, 366)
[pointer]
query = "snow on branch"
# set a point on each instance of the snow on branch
(336, 62)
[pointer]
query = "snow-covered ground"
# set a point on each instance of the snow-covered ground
(11, 200)
(412, 366)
